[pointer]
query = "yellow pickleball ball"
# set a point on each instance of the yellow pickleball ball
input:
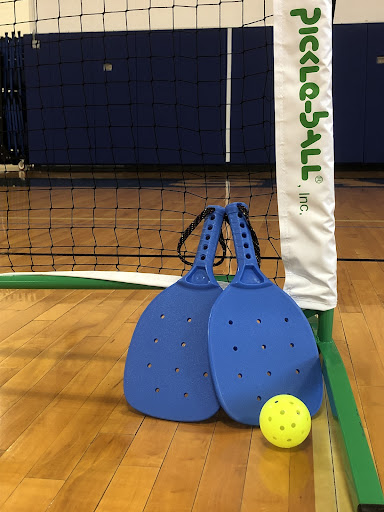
(285, 421)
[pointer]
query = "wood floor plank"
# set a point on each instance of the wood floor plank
(347, 299)
(51, 345)
(130, 484)
(325, 496)
(86, 485)
(373, 310)
(18, 417)
(147, 449)
(301, 478)
(15, 348)
(366, 361)
(124, 419)
(69, 446)
(24, 299)
(223, 477)
(32, 494)
(267, 477)
(134, 317)
(123, 308)
(373, 403)
(178, 480)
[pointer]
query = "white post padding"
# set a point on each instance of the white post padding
(304, 150)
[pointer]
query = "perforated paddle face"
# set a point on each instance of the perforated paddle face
(260, 343)
(262, 347)
(167, 374)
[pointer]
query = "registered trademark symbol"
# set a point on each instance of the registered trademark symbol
(319, 179)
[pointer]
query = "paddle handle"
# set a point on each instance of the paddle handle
(248, 273)
(202, 268)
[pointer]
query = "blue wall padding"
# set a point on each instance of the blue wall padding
(252, 115)
(349, 86)
(164, 100)
(374, 131)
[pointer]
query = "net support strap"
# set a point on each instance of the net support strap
(304, 149)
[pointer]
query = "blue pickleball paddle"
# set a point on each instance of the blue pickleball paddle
(167, 373)
(260, 342)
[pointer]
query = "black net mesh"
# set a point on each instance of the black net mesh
(121, 121)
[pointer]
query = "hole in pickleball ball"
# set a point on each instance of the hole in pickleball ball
(177, 370)
(149, 365)
(282, 427)
(293, 425)
(205, 374)
(282, 412)
(269, 374)
(186, 395)
(258, 321)
(189, 319)
(183, 344)
(162, 316)
(297, 371)
(157, 390)
(230, 322)
(156, 340)
(258, 398)
(240, 375)
(263, 347)
(203, 257)
(285, 319)
(235, 349)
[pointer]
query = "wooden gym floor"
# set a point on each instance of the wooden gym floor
(69, 441)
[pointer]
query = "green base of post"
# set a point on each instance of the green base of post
(364, 483)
